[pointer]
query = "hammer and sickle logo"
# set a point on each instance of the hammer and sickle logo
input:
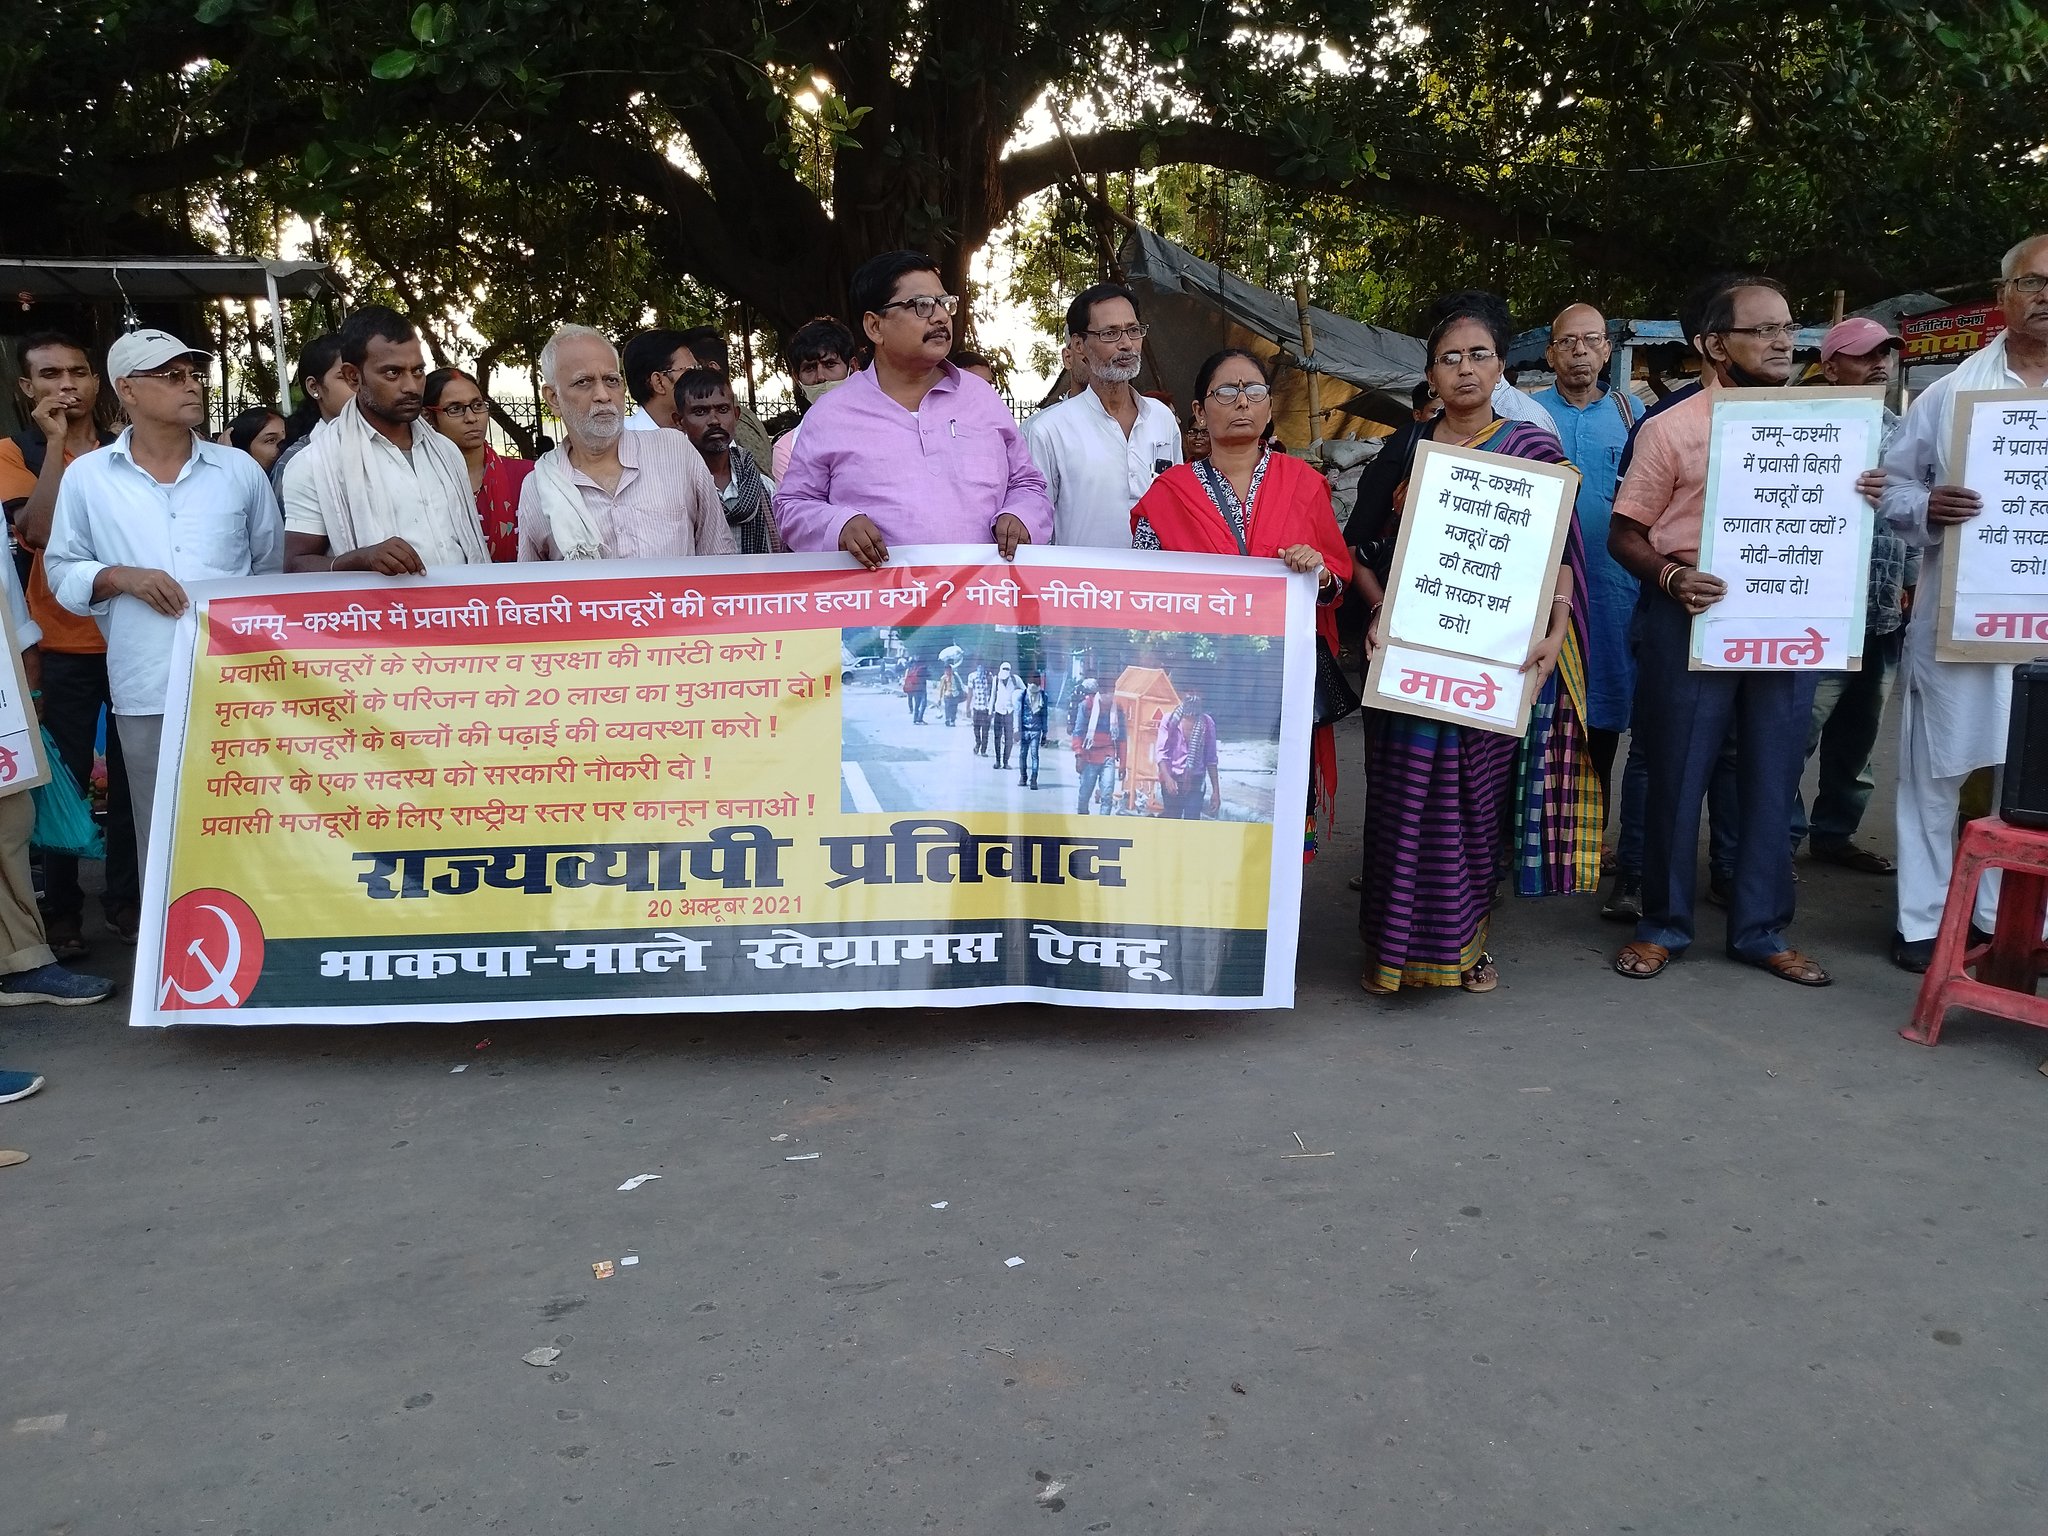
(213, 951)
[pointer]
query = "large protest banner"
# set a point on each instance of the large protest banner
(1784, 527)
(731, 784)
(1994, 576)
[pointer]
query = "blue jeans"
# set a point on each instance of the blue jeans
(1027, 757)
(1848, 708)
(1683, 722)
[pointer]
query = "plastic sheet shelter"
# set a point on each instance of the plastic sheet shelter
(1196, 307)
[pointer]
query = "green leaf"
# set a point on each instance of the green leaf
(395, 65)
(423, 23)
(211, 11)
(316, 161)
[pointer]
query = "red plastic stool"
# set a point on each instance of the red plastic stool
(2010, 965)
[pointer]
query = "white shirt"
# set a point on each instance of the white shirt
(1510, 404)
(27, 631)
(217, 519)
(1961, 705)
(640, 421)
(1095, 474)
(430, 535)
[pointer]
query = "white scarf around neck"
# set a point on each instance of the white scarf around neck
(366, 497)
(1986, 370)
(569, 525)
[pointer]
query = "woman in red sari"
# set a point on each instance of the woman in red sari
(456, 407)
(1246, 499)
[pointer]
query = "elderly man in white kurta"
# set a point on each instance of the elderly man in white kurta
(1953, 715)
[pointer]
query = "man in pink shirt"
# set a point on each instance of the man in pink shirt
(910, 450)
(1683, 716)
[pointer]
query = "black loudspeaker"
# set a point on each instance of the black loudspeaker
(2023, 798)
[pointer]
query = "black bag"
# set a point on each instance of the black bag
(2023, 795)
(1335, 697)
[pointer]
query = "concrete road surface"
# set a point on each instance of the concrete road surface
(1708, 1253)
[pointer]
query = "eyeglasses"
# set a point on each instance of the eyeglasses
(925, 305)
(1583, 341)
(1478, 356)
(2029, 285)
(1120, 333)
(1230, 394)
(474, 408)
(177, 378)
(1770, 332)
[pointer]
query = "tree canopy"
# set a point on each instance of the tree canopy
(523, 162)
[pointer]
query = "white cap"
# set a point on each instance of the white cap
(144, 350)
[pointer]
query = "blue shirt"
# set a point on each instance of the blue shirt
(217, 518)
(1595, 436)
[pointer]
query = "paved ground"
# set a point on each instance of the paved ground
(1702, 1254)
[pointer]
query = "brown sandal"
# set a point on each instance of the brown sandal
(1369, 980)
(1640, 960)
(1790, 965)
(1483, 977)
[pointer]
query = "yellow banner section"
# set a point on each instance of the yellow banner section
(418, 800)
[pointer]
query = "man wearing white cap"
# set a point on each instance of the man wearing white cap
(159, 507)
(1848, 706)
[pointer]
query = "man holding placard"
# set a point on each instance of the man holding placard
(1967, 481)
(1683, 712)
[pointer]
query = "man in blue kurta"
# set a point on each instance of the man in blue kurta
(1593, 422)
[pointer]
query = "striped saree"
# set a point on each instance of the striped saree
(1449, 809)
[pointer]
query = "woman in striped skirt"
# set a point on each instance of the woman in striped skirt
(1448, 807)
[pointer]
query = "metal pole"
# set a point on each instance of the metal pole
(284, 371)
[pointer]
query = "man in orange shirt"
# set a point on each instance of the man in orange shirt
(61, 390)
(1683, 716)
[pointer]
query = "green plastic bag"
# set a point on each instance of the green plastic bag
(64, 821)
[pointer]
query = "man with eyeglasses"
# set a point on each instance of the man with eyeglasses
(378, 489)
(1102, 449)
(652, 361)
(159, 508)
(606, 494)
(1682, 717)
(1593, 422)
(910, 450)
(1953, 719)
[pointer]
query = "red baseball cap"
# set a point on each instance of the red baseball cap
(1856, 336)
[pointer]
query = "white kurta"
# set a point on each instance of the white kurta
(1961, 705)
(1093, 472)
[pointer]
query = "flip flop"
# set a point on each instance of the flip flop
(12, 1159)
(1849, 856)
(1790, 965)
(1642, 949)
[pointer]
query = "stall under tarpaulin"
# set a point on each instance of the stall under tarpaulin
(171, 279)
(1194, 307)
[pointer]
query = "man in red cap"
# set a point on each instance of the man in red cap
(1848, 706)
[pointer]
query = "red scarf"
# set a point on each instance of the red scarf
(1292, 507)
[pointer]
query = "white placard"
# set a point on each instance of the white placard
(1786, 529)
(1995, 582)
(1469, 590)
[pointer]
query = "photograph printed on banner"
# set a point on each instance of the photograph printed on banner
(1058, 720)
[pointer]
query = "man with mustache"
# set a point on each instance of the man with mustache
(709, 417)
(1101, 450)
(606, 493)
(1683, 716)
(1955, 712)
(61, 392)
(375, 489)
(141, 519)
(910, 449)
